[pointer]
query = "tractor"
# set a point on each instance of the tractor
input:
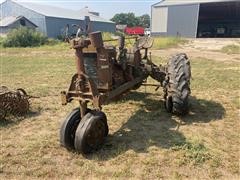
(105, 72)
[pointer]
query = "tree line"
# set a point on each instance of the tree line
(131, 20)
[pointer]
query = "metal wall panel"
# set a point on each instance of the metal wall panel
(103, 26)
(159, 19)
(4, 30)
(18, 24)
(56, 26)
(183, 20)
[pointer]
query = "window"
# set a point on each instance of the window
(23, 22)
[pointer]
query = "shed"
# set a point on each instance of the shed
(12, 22)
(196, 18)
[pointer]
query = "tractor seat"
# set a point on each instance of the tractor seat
(144, 43)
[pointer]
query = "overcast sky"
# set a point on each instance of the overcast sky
(106, 8)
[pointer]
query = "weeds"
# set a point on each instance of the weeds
(24, 37)
(231, 49)
(194, 152)
(159, 42)
(167, 42)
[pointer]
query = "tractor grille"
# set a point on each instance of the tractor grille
(90, 63)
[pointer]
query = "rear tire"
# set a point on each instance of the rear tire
(91, 132)
(177, 88)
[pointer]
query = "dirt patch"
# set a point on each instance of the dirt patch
(203, 48)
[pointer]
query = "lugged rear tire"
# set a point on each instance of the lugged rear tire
(177, 85)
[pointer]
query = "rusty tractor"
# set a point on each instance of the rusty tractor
(105, 72)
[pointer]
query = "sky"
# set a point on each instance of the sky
(106, 8)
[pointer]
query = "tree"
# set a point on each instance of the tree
(131, 20)
(120, 18)
(145, 21)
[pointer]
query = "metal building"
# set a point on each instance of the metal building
(11, 22)
(52, 20)
(196, 18)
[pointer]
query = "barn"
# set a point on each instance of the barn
(196, 18)
(52, 20)
(12, 22)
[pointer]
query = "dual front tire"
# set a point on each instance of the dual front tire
(84, 134)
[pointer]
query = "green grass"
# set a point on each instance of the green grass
(159, 42)
(167, 42)
(231, 49)
(1, 41)
(145, 142)
(195, 152)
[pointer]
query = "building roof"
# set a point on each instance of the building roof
(87, 10)
(184, 2)
(12, 19)
(52, 11)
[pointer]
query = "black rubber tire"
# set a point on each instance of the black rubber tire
(91, 132)
(168, 104)
(177, 89)
(68, 129)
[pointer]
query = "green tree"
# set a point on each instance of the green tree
(144, 21)
(120, 18)
(131, 20)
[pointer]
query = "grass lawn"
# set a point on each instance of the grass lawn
(145, 142)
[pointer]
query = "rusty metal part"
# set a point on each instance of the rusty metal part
(13, 102)
(96, 39)
(102, 75)
(79, 62)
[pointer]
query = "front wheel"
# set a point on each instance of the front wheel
(177, 84)
(91, 132)
(68, 129)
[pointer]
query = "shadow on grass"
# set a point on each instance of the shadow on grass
(11, 120)
(151, 125)
(203, 111)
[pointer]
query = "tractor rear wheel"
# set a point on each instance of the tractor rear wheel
(91, 132)
(177, 85)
